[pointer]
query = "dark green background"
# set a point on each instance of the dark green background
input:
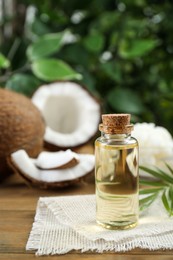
(123, 50)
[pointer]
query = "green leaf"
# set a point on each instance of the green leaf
(170, 194)
(136, 48)
(94, 42)
(166, 175)
(152, 183)
(71, 53)
(125, 100)
(158, 174)
(106, 21)
(4, 62)
(54, 69)
(169, 168)
(112, 70)
(148, 191)
(39, 28)
(166, 187)
(165, 200)
(147, 201)
(22, 83)
(45, 45)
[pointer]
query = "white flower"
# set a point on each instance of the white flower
(155, 144)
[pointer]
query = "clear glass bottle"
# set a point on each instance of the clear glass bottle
(116, 173)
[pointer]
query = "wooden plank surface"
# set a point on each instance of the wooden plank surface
(17, 210)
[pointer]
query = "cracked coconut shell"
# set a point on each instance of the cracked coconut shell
(21, 127)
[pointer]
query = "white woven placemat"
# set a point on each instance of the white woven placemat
(68, 223)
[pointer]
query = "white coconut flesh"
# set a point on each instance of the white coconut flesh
(52, 160)
(26, 165)
(71, 114)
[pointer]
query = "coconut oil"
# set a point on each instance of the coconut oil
(116, 173)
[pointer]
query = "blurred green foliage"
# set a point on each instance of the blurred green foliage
(120, 50)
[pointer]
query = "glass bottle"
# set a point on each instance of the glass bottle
(116, 173)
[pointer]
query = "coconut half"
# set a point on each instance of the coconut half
(71, 114)
(57, 160)
(26, 167)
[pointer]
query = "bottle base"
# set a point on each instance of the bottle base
(120, 225)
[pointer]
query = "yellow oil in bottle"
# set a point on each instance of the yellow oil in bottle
(116, 176)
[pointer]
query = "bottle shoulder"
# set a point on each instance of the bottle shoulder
(101, 141)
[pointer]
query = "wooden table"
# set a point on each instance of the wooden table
(17, 211)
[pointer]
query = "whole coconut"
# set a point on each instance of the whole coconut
(21, 127)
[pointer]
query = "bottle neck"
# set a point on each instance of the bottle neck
(118, 137)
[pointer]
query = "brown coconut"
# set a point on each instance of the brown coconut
(21, 127)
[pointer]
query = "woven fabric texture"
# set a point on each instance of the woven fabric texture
(69, 223)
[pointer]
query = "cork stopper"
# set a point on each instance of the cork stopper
(116, 124)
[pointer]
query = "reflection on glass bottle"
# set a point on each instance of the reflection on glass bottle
(116, 173)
